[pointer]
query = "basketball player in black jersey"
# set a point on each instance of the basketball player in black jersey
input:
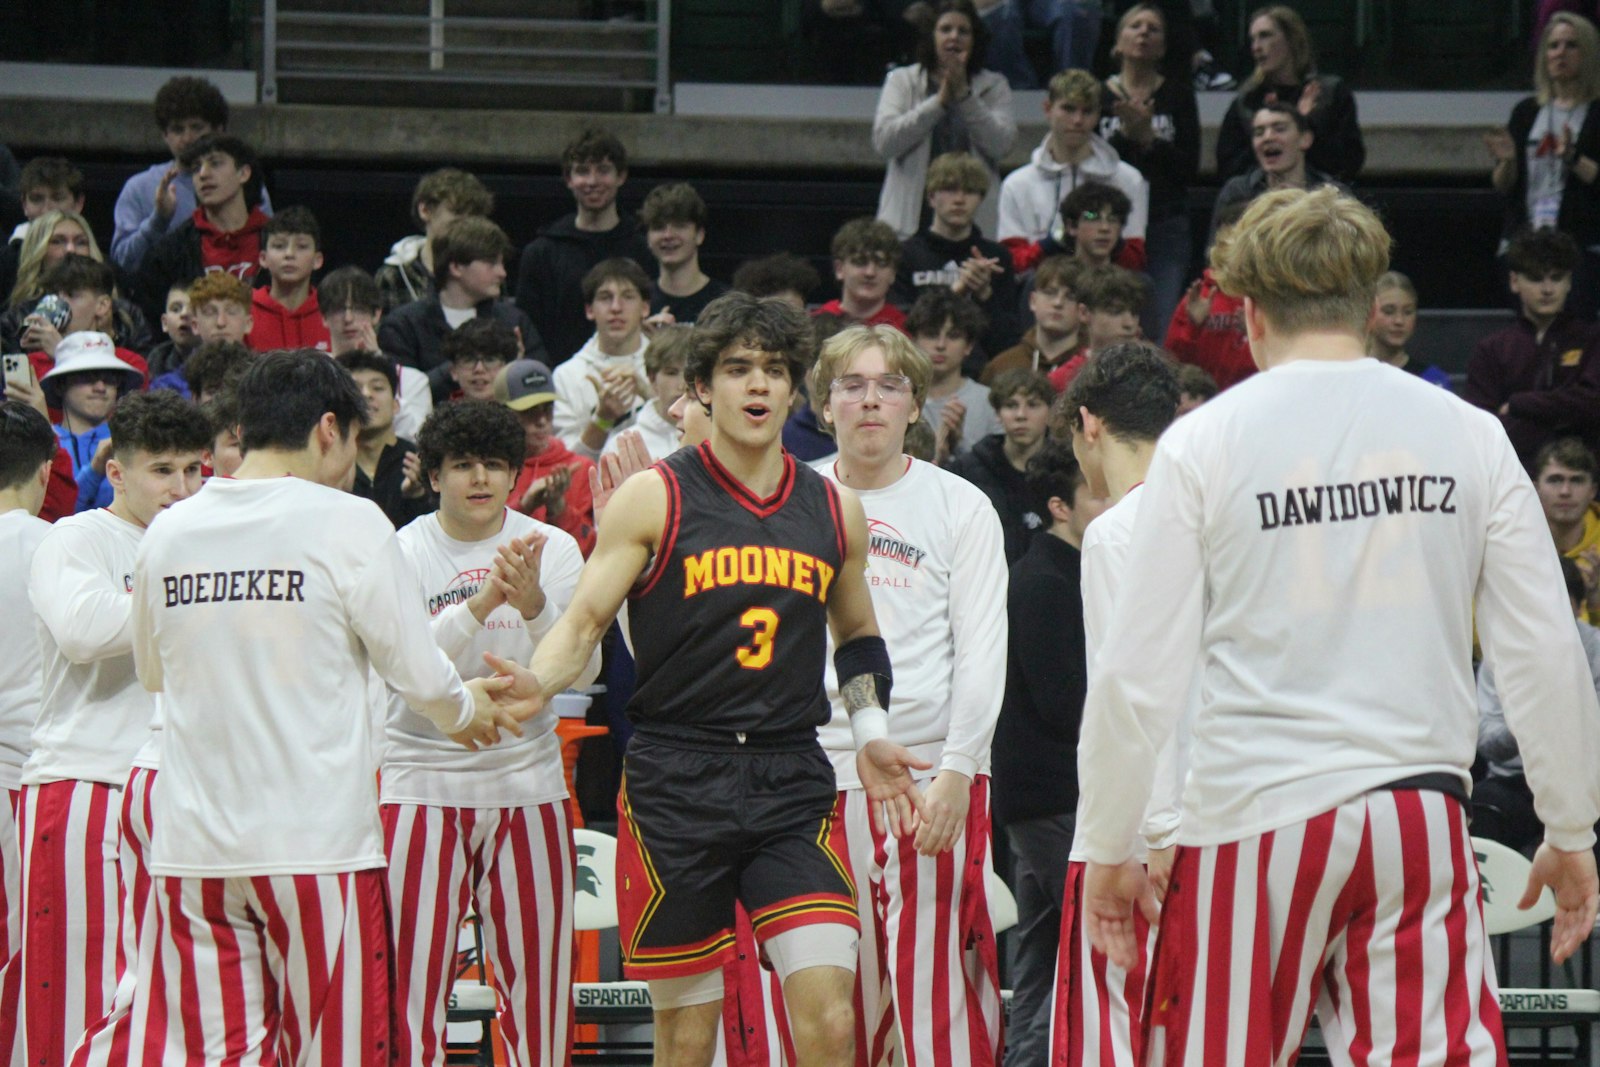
(732, 558)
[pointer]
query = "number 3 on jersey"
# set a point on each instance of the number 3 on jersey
(764, 623)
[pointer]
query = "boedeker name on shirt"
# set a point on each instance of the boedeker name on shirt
(1344, 501)
(215, 587)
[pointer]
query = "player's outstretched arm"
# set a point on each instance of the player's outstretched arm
(638, 511)
(862, 664)
(1109, 896)
(1571, 877)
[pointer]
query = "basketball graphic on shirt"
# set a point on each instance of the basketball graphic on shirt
(886, 542)
(462, 588)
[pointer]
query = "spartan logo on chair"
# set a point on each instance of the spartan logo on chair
(587, 881)
(1486, 887)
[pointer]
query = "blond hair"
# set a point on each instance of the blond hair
(1588, 44)
(35, 243)
(838, 351)
(1076, 87)
(1395, 280)
(1309, 260)
(957, 170)
(668, 350)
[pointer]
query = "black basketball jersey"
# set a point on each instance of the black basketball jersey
(729, 624)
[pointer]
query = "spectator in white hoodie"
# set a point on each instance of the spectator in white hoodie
(601, 389)
(663, 365)
(1070, 154)
(441, 197)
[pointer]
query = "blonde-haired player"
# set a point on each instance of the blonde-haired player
(928, 980)
(1319, 537)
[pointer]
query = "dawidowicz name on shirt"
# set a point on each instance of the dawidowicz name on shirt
(1345, 501)
(216, 587)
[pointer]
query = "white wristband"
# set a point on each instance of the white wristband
(868, 724)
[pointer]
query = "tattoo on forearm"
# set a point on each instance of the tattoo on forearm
(859, 692)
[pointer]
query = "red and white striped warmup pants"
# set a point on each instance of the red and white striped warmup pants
(267, 971)
(928, 980)
(106, 1042)
(1095, 1018)
(515, 868)
(72, 907)
(10, 929)
(1368, 914)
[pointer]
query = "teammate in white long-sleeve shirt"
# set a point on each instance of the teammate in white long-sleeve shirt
(489, 829)
(257, 611)
(1320, 536)
(106, 1043)
(928, 978)
(27, 446)
(93, 716)
(1117, 407)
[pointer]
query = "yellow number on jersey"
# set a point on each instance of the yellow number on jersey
(764, 621)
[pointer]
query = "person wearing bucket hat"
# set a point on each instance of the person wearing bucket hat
(84, 386)
(554, 484)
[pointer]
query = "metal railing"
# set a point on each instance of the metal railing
(285, 32)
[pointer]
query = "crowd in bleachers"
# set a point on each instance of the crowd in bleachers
(1008, 283)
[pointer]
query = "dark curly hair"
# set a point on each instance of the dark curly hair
(487, 337)
(214, 365)
(161, 421)
(1131, 386)
(234, 148)
(939, 305)
(764, 323)
(481, 429)
(190, 98)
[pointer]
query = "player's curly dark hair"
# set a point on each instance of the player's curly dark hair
(478, 428)
(161, 421)
(737, 318)
(1131, 386)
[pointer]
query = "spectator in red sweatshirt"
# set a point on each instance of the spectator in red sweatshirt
(285, 313)
(1207, 328)
(224, 234)
(554, 485)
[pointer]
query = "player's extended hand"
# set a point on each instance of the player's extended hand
(1571, 877)
(631, 456)
(488, 718)
(1109, 896)
(1158, 868)
(522, 695)
(944, 812)
(516, 574)
(885, 769)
